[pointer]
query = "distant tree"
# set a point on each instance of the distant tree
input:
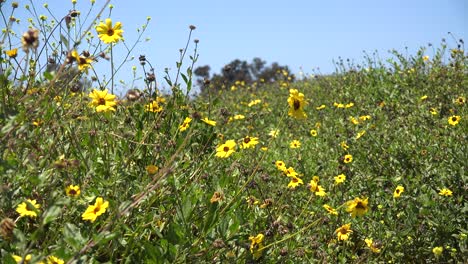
(238, 70)
(203, 73)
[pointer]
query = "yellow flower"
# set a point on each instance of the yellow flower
(209, 122)
(295, 144)
(28, 208)
(320, 107)
(274, 133)
(154, 107)
(73, 190)
(445, 192)
(437, 251)
(348, 105)
(424, 97)
(343, 232)
(217, 196)
(109, 34)
(360, 134)
(296, 103)
(398, 191)
(433, 111)
(239, 117)
(151, 169)
(348, 158)
(340, 179)
(354, 120)
(338, 105)
(280, 165)
(19, 259)
(357, 207)
(185, 124)
(38, 122)
(249, 142)
(453, 120)
(102, 100)
(313, 132)
(344, 145)
(460, 100)
(330, 209)
(93, 211)
(315, 188)
(256, 245)
(290, 172)
(365, 117)
(54, 260)
(295, 181)
(12, 53)
(83, 62)
(425, 58)
(374, 247)
(226, 149)
(254, 102)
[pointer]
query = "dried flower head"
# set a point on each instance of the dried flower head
(30, 39)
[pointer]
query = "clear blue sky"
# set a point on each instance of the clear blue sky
(297, 33)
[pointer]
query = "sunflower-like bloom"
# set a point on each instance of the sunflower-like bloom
(153, 106)
(256, 245)
(453, 120)
(445, 192)
(249, 142)
(93, 211)
(185, 124)
(398, 191)
(73, 190)
(12, 53)
(54, 260)
(209, 122)
(373, 245)
(295, 144)
(108, 33)
(357, 207)
(295, 181)
(348, 158)
(340, 179)
(83, 62)
(330, 209)
(19, 259)
(28, 208)
(226, 149)
(296, 103)
(102, 100)
(280, 165)
(343, 232)
(316, 189)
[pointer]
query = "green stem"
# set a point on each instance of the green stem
(112, 69)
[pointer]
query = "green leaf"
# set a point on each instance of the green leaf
(48, 76)
(72, 235)
(51, 214)
(64, 40)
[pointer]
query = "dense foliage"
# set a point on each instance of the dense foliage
(367, 165)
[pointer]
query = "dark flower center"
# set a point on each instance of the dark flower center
(454, 119)
(102, 101)
(359, 205)
(226, 149)
(246, 140)
(97, 209)
(72, 192)
(110, 32)
(296, 104)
